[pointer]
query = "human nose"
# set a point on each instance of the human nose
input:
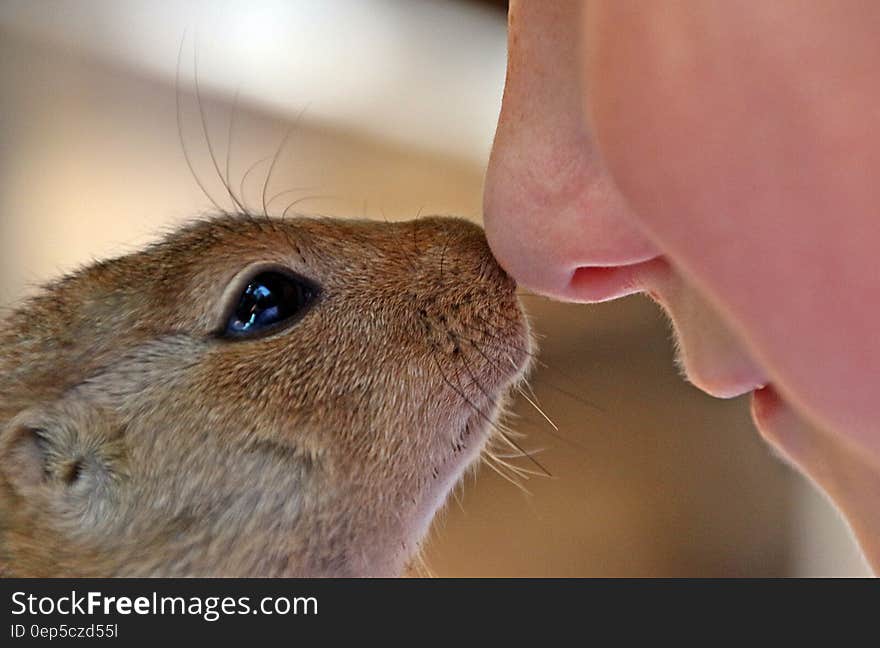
(554, 218)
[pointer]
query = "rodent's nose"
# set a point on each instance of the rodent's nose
(459, 252)
(467, 305)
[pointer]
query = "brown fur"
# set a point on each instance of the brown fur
(134, 442)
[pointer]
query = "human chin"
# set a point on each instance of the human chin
(774, 419)
(709, 352)
(794, 439)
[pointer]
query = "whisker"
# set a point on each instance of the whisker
(186, 155)
(244, 178)
(516, 455)
(492, 399)
(504, 340)
(204, 122)
(304, 199)
(540, 362)
(504, 435)
(285, 192)
(488, 459)
(519, 473)
(278, 151)
(515, 446)
(457, 497)
(525, 473)
(556, 433)
(538, 409)
(473, 378)
(506, 345)
(239, 202)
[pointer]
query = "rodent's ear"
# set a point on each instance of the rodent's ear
(58, 446)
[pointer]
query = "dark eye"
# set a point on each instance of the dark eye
(270, 300)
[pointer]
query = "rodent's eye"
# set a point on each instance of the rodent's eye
(270, 300)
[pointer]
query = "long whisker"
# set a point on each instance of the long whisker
(476, 383)
(474, 379)
(247, 172)
(186, 155)
(488, 332)
(489, 459)
(502, 432)
(286, 192)
(554, 433)
(281, 146)
(204, 121)
(525, 473)
(239, 202)
(504, 344)
(554, 369)
(532, 397)
(304, 199)
(508, 439)
(538, 409)
(457, 497)
(489, 396)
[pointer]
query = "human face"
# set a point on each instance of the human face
(725, 162)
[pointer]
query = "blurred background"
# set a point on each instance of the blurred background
(391, 107)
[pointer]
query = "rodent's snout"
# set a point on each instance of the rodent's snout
(465, 303)
(458, 254)
(460, 279)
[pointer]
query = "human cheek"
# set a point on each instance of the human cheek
(728, 139)
(553, 216)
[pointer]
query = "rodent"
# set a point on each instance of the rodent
(253, 397)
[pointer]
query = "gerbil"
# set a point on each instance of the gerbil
(253, 397)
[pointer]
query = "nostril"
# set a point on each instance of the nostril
(600, 284)
(603, 283)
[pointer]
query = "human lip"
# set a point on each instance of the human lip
(710, 353)
(729, 388)
(720, 380)
(766, 403)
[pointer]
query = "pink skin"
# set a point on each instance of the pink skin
(726, 161)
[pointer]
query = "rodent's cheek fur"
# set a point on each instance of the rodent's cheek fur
(323, 449)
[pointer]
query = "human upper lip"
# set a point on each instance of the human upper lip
(713, 356)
